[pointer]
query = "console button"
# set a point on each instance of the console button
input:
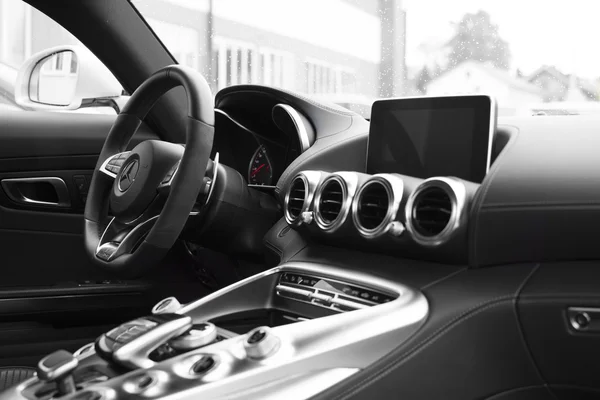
(257, 336)
(261, 343)
(203, 365)
(200, 335)
(87, 395)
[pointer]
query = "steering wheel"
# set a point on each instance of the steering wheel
(150, 190)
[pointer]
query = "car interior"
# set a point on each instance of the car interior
(256, 243)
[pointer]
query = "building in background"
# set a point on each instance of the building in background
(473, 77)
(557, 86)
(320, 47)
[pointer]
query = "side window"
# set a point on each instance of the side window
(62, 79)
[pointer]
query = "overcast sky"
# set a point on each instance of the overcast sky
(564, 33)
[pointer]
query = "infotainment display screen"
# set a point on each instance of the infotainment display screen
(432, 136)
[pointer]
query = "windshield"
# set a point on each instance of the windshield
(533, 56)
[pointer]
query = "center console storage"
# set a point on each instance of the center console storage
(297, 328)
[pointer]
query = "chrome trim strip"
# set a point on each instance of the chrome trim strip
(124, 245)
(458, 197)
(62, 192)
(214, 178)
(394, 186)
(135, 353)
(349, 183)
(299, 123)
(342, 342)
(311, 181)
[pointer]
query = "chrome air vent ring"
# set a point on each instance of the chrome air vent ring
(299, 195)
(370, 197)
(453, 196)
(333, 200)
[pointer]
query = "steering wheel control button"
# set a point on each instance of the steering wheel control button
(203, 365)
(165, 306)
(199, 336)
(261, 343)
(58, 367)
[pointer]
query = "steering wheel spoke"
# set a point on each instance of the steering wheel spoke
(119, 238)
(112, 165)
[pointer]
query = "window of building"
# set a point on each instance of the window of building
(325, 78)
(237, 62)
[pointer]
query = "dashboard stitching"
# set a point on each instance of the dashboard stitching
(478, 204)
(388, 368)
(520, 328)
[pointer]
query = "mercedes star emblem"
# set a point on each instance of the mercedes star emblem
(128, 174)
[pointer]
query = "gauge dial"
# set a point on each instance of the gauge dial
(260, 171)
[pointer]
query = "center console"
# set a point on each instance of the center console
(289, 332)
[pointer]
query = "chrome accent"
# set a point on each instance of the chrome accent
(396, 228)
(105, 163)
(135, 353)
(300, 125)
(84, 351)
(195, 338)
(264, 347)
(214, 178)
(166, 306)
(458, 197)
(394, 187)
(307, 217)
(114, 249)
(311, 180)
(586, 313)
(62, 192)
(349, 184)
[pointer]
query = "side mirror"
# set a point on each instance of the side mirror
(64, 78)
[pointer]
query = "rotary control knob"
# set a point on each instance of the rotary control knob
(200, 335)
(169, 305)
(261, 343)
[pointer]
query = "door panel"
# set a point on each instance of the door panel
(50, 293)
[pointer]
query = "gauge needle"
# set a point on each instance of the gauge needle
(257, 169)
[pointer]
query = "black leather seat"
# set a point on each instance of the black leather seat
(10, 376)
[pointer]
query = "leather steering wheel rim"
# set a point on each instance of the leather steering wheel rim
(185, 185)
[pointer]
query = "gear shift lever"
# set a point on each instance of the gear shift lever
(58, 367)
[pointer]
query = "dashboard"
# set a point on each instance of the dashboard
(261, 143)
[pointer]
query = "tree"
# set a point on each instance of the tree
(477, 38)
(423, 79)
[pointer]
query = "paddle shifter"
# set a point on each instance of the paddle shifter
(130, 344)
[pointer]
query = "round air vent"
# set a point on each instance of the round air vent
(295, 199)
(431, 212)
(434, 210)
(376, 204)
(331, 201)
(373, 204)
